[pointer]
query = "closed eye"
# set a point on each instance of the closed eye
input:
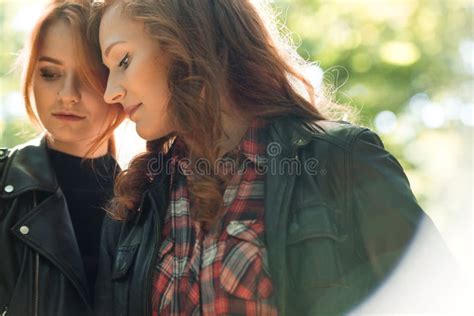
(49, 75)
(124, 62)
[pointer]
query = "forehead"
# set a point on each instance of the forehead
(116, 26)
(57, 40)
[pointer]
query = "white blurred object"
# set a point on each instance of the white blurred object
(129, 144)
(424, 283)
(385, 122)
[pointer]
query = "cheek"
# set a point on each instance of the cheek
(95, 105)
(101, 111)
(149, 83)
(43, 98)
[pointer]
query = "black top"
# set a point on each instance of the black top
(87, 185)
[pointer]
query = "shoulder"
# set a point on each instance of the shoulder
(338, 141)
(292, 132)
(30, 147)
(342, 134)
(358, 155)
(27, 167)
(354, 153)
(335, 142)
(352, 147)
(36, 142)
(6, 152)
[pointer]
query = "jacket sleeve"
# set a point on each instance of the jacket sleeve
(103, 299)
(387, 214)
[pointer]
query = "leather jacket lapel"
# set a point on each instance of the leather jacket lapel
(48, 229)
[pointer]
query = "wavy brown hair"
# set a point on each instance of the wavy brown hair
(218, 50)
(76, 14)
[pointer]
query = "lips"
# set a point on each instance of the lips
(66, 116)
(132, 109)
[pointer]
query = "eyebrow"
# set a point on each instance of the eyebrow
(51, 60)
(107, 50)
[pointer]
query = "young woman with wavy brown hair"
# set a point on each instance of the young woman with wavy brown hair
(54, 188)
(248, 199)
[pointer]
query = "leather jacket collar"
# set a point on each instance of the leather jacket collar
(290, 134)
(28, 169)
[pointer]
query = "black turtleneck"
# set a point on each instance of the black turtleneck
(87, 185)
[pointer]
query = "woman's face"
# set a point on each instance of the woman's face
(138, 73)
(72, 113)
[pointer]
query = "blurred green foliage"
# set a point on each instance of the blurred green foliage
(387, 50)
(16, 132)
(16, 17)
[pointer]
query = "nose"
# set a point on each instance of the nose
(70, 92)
(114, 93)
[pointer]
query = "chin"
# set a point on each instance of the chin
(62, 137)
(147, 135)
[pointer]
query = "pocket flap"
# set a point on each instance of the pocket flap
(123, 261)
(246, 230)
(312, 222)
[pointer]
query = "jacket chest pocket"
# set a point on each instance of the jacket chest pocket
(121, 277)
(312, 249)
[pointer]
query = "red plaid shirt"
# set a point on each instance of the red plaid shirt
(223, 270)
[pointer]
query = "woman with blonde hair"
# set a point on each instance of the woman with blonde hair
(248, 200)
(53, 188)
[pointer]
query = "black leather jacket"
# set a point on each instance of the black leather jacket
(41, 270)
(334, 230)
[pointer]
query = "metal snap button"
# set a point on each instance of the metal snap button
(300, 142)
(24, 230)
(9, 188)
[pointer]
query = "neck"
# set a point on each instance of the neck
(78, 149)
(235, 127)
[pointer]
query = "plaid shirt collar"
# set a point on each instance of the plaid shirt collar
(252, 146)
